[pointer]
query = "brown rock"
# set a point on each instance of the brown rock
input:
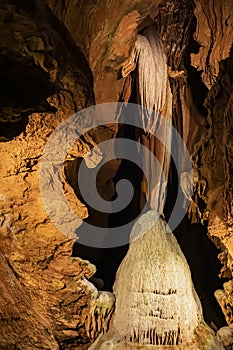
(214, 33)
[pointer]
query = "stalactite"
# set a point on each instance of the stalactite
(154, 95)
(156, 304)
(152, 77)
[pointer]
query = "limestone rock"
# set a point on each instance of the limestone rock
(214, 34)
(53, 60)
(156, 303)
(225, 335)
(23, 323)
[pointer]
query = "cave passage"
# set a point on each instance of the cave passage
(199, 251)
(201, 255)
(108, 260)
(24, 90)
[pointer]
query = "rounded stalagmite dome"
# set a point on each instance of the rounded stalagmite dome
(156, 301)
(156, 304)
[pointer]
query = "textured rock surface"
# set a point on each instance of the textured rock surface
(58, 60)
(225, 335)
(156, 303)
(216, 162)
(106, 33)
(48, 286)
(38, 60)
(29, 324)
(206, 121)
(39, 255)
(214, 35)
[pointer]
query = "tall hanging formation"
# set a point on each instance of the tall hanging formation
(154, 95)
(152, 77)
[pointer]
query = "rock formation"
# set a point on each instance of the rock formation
(154, 95)
(58, 57)
(156, 303)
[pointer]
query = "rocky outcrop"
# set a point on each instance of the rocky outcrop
(214, 35)
(28, 323)
(45, 293)
(207, 115)
(225, 335)
(39, 63)
(215, 155)
(106, 34)
(64, 56)
(39, 255)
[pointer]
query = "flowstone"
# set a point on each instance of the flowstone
(156, 303)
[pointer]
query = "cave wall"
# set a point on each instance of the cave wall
(213, 154)
(67, 55)
(48, 287)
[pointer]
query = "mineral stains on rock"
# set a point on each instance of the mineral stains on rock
(56, 58)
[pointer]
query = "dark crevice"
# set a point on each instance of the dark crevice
(108, 260)
(24, 85)
(24, 90)
(43, 15)
(9, 130)
(198, 88)
(201, 255)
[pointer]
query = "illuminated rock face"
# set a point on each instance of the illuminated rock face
(39, 61)
(152, 78)
(156, 303)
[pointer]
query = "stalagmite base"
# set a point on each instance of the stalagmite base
(156, 304)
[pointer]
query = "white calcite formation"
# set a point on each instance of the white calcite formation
(152, 77)
(154, 289)
(156, 303)
(154, 96)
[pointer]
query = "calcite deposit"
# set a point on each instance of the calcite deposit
(58, 57)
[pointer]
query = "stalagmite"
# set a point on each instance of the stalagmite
(100, 311)
(156, 303)
(160, 295)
